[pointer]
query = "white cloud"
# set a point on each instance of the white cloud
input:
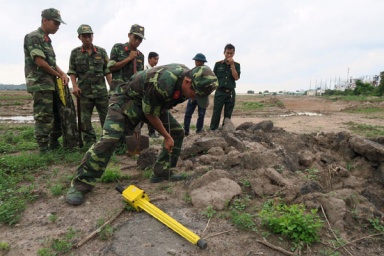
(281, 45)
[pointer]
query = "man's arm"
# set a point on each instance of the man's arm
(109, 79)
(233, 69)
(75, 90)
(158, 125)
(120, 64)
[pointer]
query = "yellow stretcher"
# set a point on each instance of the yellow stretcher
(138, 199)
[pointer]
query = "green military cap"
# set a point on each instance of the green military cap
(84, 29)
(52, 14)
(137, 30)
(204, 82)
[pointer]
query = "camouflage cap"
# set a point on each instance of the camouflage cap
(52, 14)
(137, 30)
(84, 29)
(204, 82)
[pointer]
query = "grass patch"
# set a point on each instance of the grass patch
(293, 222)
(359, 98)
(366, 130)
(249, 105)
(362, 110)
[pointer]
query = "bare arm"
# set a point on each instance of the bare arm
(109, 79)
(158, 125)
(76, 90)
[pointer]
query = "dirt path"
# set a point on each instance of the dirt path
(138, 233)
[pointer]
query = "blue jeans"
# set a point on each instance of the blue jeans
(191, 106)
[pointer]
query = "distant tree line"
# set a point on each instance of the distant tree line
(363, 89)
(13, 87)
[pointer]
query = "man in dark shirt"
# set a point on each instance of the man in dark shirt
(227, 72)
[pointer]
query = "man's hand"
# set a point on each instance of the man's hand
(64, 78)
(168, 144)
(230, 61)
(76, 91)
(133, 54)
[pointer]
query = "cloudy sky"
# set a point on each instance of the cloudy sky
(281, 45)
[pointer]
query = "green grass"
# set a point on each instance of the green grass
(362, 110)
(18, 138)
(18, 97)
(292, 221)
(249, 105)
(359, 98)
(365, 130)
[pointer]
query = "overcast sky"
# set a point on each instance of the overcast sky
(281, 45)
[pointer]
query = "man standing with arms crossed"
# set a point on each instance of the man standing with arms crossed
(124, 61)
(41, 72)
(87, 69)
(227, 72)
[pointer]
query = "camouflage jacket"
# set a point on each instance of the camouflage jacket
(157, 88)
(118, 53)
(90, 71)
(223, 72)
(36, 44)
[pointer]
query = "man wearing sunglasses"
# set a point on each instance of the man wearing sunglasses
(41, 72)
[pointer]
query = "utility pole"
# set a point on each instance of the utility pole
(347, 85)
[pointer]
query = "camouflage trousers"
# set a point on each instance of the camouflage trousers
(87, 105)
(47, 118)
(123, 115)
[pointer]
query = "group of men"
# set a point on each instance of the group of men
(136, 96)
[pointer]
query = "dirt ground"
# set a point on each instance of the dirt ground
(139, 234)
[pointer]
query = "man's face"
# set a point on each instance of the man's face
(51, 26)
(199, 63)
(229, 53)
(134, 40)
(153, 61)
(86, 39)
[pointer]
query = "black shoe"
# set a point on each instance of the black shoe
(174, 177)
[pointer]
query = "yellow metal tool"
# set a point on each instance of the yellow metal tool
(60, 87)
(138, 199)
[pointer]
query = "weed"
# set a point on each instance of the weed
(329, 252)
(240, 204)
(106, 232)
(377, 224)
(244, 221)
(292, 222)
(56, 189)
(4, 246)
(245, 183)
(366, 130)
(209, 212)
(147, 172)
(52, 217)
(187, 198)
(113, 174)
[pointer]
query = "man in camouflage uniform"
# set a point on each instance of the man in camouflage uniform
(147, 97)
(123, 56)
(41, 72)
(123, 59)
(87, 69)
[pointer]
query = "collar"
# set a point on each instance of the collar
(93, 50)
(45, 36)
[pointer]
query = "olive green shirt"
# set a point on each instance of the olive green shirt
(90, 71)
(224, 74)
(37, 44)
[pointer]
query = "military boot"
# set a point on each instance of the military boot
(75, 194)
(159, 174)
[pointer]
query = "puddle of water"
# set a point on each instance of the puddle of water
(22, 119)
(16, 119)
(301, 114)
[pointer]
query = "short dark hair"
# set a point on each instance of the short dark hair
(152, 55)
(229, 47)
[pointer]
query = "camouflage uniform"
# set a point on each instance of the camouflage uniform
(118, 53)
(42, 87)
(154, 92)
(90, 71)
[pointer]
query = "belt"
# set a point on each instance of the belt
(223, 89)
